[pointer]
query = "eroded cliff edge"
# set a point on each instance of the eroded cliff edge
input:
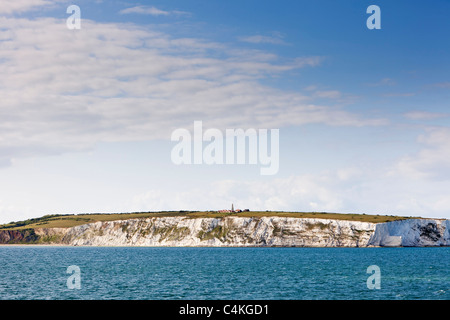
(240, 232)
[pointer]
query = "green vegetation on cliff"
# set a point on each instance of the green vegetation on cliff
(71, 220)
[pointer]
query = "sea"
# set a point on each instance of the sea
(155, 273)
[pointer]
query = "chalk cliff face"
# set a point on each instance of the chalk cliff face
(412, 233)
(228, 231)
(241, 232)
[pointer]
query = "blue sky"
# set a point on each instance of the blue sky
(86, 115)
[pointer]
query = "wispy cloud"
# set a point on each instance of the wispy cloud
(64, 91)
(383, 82)
(431, 162)
(152, 11)
(332, 95)
(442, 85)
(321, 192)
(349, 189)
(260, 39)
(399, 94)
(425, 115)
(329, 94)
(20, 6)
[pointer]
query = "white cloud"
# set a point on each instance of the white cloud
(20, 6)
(383, 82)
(333, 95)
(329, 94)
(399, 94)
(348, 190)
(445, 85)
(10, 212)
(346, 174)
(425, 115)
(307, 193)
(151, 11)
(260, 39)
(65, 90)
(431, 162)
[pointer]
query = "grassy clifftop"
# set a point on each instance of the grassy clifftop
(71, 220)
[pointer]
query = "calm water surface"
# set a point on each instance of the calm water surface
(32, 272)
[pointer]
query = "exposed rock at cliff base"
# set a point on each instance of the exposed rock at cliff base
(18, 236)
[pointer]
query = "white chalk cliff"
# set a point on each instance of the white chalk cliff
(251, 232)
(412, 233)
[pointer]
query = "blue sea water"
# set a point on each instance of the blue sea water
(144, 273)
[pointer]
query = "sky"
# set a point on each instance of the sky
(87, 114)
